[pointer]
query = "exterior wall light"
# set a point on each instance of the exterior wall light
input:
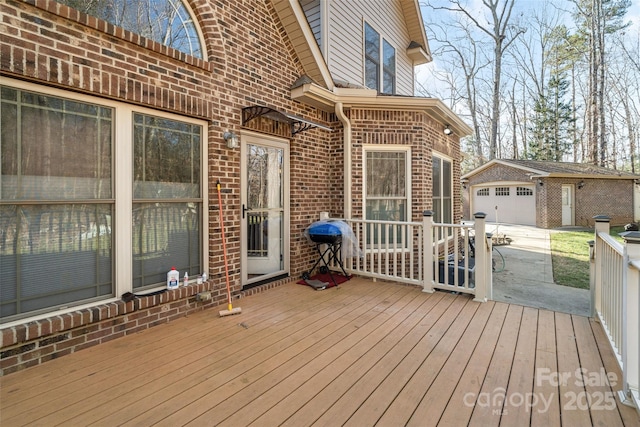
(581, 184)
(447, 130)
(231, 139)
(540, 183)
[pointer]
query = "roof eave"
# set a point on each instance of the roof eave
(326, 100)
(295, 24)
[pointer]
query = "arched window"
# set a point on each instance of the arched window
(165, 21)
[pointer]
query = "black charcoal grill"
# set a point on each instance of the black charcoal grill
(326, 233)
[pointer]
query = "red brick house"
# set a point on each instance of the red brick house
(551, 194)
(114, 136)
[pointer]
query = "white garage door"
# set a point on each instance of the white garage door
(510, 204)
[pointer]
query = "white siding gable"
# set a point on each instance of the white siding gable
(345, 52)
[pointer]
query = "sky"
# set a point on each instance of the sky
(424, 73)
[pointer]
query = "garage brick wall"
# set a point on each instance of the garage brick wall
(611, 197)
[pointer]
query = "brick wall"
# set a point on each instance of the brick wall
(248, 60)
(611, 197)
(416, 129)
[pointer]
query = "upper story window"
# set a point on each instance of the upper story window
(379, 62)
(165, 21)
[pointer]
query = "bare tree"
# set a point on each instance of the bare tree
(503, 34)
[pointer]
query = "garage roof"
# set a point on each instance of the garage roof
(557, 169)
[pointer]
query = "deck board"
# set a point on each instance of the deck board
(364, 353)
(546, 411)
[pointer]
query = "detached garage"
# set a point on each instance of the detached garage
(508, 202)
(550, 194)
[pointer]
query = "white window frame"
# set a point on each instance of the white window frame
(380, 60)
(123, 189)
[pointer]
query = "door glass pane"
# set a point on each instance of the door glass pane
(264, 167)
(264, 214)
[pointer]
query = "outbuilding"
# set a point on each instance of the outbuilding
(550, 194)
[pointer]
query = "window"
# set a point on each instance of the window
(524, 191)
(502, 191)
(388, 68)
(442, 190)
(166, 192)
(371, 57)
(482, 192)
(165, 21)
(59, 204)
(387, 191)
(379, 62)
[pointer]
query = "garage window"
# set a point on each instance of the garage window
(524, 191)
(482, 192)
(502, 191)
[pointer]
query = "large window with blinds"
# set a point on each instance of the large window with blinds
(60, 185)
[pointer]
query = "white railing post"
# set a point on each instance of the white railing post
(601, 225)
(592, 273)
(427, 252)
(483, 258)
(631, 320)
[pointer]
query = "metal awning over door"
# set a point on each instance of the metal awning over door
(298, 124)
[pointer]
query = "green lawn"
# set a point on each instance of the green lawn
(570, 256)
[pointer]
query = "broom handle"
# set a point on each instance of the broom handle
(224, 246)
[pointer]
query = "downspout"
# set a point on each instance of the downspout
(346, 126)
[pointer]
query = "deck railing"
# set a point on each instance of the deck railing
(428, 254)
(615, 301)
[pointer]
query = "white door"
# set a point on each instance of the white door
(265, 208)
(567, 204)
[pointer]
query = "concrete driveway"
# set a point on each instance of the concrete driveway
(528, 277)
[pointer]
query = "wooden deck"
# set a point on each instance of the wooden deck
(363, 354)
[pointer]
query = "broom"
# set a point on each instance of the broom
(230, 310)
